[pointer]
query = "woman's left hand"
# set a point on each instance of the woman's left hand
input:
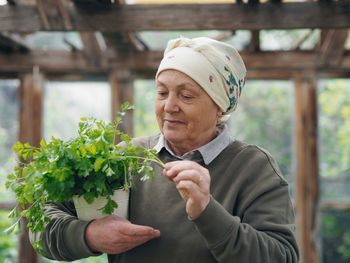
(193, 182)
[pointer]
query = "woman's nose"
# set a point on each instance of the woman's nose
(171, 104)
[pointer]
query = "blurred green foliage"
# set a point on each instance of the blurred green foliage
(264, 117)
(145, 122)
(8, 130)
(335, 236)
(334, 127)
(8, 251)
(334, 151)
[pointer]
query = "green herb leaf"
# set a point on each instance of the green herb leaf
(98, 163)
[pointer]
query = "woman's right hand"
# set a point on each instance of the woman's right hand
(114, 235)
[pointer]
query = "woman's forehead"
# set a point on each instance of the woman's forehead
(176, 78)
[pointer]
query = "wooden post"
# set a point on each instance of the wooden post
(307, 182)
(122, 91)
(29, 131)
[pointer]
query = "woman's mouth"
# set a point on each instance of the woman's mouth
(173, 122)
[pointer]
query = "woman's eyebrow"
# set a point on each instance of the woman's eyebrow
(185, 84)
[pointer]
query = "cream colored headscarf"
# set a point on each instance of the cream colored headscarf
(216, 66)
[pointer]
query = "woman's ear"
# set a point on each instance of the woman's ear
(218, 116)
(218, 112)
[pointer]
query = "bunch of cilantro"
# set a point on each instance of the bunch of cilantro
(90, 165)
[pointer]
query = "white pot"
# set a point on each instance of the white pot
(86, 211)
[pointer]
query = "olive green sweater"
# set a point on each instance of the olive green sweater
(249, 218)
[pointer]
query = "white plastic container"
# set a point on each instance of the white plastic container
(86, 211)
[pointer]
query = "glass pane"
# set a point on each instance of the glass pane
(66, 102)
(347, 43)
(8, 136)
(145, 122)
(288, 39)
(8, 131)
(335, 240)
(54, 40)
(334, 132)
(264, 117)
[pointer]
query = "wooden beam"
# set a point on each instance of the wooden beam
(92, 49)
(116, 18)
(307, 176)
(116, 99)
(31, 107)
(147, 74)
(254, 44)
(53, 14)
(118, 42)
(276, 64)
(335, 205)
(25, 2)
(67, 21)
(94, 3)
(122, 91)
(49, 62)
(137, 42)
(65, 61)
(332, 47)
(29, 131)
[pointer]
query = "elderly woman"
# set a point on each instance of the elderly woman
(233, 204)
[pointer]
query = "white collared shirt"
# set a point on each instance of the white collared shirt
(208, 151)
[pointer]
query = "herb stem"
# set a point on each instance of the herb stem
(154, 159)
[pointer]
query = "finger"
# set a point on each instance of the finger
(183, 190)
(139, 230)
(189, 188)
(191, 175)
(184, 194)
(168, 165)
(183, 163)
(178, 166)
(193, 189)
(165, 173)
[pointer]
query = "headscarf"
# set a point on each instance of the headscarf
(216, 66)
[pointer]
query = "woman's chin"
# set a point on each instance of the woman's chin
(174, 137)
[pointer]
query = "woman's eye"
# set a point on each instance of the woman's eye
(187, 97)
(162, 93)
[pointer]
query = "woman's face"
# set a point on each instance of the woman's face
(186, 115)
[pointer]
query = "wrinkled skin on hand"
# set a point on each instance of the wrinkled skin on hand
(114, 235)
(193, 182)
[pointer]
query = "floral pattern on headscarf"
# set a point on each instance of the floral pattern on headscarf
(234, 89)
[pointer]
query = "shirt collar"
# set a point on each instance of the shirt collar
(208, 151)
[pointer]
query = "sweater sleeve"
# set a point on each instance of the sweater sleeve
(64, 236)
(263, 231)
